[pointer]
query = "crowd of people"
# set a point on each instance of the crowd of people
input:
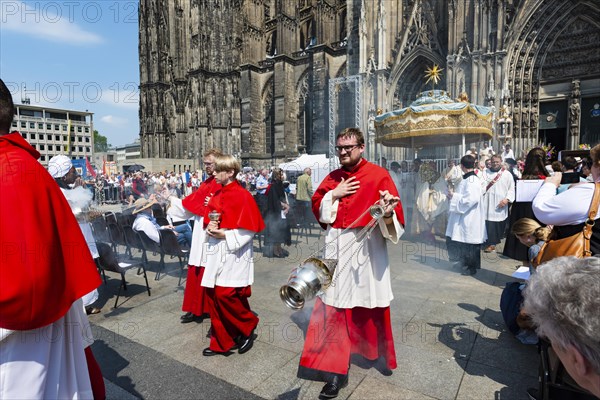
(126, 187)
(472, 203)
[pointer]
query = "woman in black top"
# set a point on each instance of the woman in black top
(277, 230)
(535, 168)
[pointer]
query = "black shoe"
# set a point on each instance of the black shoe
(331, 389)
(189, 317)
(533, 394)
(469, 271)
(207, 352)
(246, 343)
(92, 310)
(186, 315)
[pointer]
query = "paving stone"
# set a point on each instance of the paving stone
(449, 335)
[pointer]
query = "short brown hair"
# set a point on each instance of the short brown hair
(213, 152)
(226, 162)
(350, 132)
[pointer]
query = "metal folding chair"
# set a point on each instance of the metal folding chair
(109, 261)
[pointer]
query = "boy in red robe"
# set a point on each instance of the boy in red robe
(229, 266)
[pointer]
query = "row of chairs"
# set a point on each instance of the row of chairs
(116, 229)
(112, 230)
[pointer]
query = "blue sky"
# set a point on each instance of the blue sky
(79, 55)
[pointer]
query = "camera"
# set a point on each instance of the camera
(569, 177)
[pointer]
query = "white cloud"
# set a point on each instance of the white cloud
(122, 95)
(114, 121)
(44, 20)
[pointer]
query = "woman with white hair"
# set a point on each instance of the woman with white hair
(563, 300)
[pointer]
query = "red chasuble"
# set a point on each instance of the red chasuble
(237, 207)
(372, 179)
(45, 263)
(194, 203)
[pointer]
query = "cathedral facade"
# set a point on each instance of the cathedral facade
(267, 80)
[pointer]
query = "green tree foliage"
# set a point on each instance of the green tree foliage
(100, 142)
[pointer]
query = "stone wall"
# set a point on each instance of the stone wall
(252, 77)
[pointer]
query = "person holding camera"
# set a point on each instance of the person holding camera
(568, 210)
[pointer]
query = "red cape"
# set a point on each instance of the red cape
(237, 207)
(194, 203)
(372, 179)
(45, 263)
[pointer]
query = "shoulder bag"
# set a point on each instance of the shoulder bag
(577, 245)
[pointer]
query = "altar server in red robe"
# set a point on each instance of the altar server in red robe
(45, 269)
(229, 264)
(353, 315)
(195, 300)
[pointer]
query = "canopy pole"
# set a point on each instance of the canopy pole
(464, 145)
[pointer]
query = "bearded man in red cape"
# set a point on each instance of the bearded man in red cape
(353, 315)
(45, 269)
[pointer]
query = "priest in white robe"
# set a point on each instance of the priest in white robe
(499, 193)
(466, 222)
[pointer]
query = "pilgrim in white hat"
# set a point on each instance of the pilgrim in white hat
(59, 166)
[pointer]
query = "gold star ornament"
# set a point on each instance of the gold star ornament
(433, 74)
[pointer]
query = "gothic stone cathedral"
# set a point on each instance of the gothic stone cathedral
(253, 77)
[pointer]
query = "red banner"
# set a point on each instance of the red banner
(88, 166)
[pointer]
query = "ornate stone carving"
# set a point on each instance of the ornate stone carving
(201, 90)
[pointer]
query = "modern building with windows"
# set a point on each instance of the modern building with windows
(128, 152)
(53, 131)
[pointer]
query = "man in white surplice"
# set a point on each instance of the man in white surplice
(466, 221)
(499, 192)
(355, 308)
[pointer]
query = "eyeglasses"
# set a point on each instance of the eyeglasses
(347, 149)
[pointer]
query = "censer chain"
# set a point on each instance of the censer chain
(363, 233)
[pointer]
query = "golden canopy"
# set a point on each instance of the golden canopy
(434, 119)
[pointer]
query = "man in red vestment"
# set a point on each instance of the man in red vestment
(45, 269)
(352, 316)
(229, 264)
(194, 299)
